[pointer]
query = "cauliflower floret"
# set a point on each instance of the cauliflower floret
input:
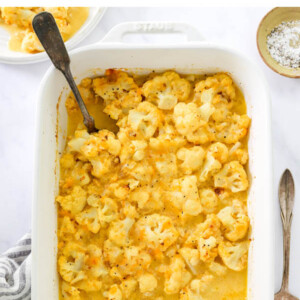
(111, 252)
(217, 269)
(238, 153)
(220, 84)
(208, 248)
(75, 202)
(71, 262)
(31, 43)
(77, 175)
(89, 217)
(103, 164)
(95, 264)
(234, 220)
(142, 171)
(192, 158)
(80, 137)
(20, 16)
(216, 155)
(156, 231)
(103, 140)
(67, 161)
(128, 286)
(166, 164)
(144, 119)
(114, 293)
(196, 288)
(234, 255)
(148, 199)
(176, 276)
(191, 257)
(69, 292)
(209, 200)
(233, 129)
(108, 210)
(166, 90)
(232, 177)
(119, 92)
(67, 227)
(119, 231)
(206, 237)
(134, 260)
(187, 118)
(147, 283)
(184, 195)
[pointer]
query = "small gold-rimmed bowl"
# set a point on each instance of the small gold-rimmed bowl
(271, 20)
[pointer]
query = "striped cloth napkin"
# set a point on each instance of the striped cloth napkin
(15, 271)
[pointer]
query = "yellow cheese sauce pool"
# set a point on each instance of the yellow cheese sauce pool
(17, 21)
(152, 224)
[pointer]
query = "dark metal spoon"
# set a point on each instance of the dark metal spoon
(48, 33)
(286, 195)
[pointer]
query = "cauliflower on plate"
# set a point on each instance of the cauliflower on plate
(217, 154)
(233, 177)
(20, 16)
(233, 129)
(209, 200)
(147, 282)
(31, 43)
(119, 92)
(166, 90)
(234, 255)
(156, 231)
(118, 231)
(234, 220)
(74, 202)
(176, 276)
(192, 158)
(144, 119)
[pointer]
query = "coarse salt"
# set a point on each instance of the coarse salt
(284, 44)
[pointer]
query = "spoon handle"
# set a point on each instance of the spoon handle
(286, 200)
(48, 33)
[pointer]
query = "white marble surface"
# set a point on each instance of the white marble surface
(232, 26)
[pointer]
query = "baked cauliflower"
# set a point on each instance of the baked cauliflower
(233, 177)
(166, 90)
(234, 220)
(234, 255)
(156, 231)
(119, 92)
(192, 158)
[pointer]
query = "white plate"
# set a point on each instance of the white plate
(13, 57)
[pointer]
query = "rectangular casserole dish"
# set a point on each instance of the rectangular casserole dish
(193, 57)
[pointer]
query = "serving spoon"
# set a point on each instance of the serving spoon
(48, 33)
(286, 195)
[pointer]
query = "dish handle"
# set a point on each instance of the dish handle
(117, 33)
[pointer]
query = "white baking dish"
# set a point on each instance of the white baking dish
(189, 57)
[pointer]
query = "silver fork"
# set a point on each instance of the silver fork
(286, 195)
